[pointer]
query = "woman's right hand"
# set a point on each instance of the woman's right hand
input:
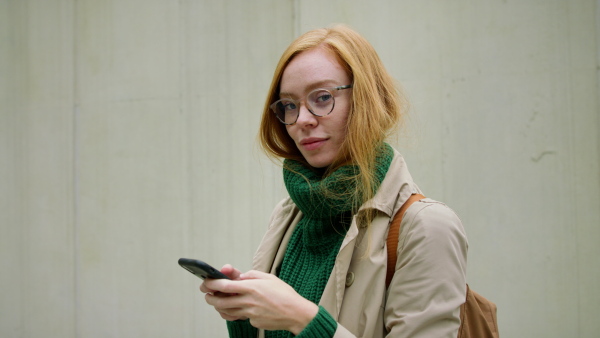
(232, 273)
(267, 301)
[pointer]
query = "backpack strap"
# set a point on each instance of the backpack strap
(392, 238)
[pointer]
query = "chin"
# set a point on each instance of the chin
(318, 166)
(318, 162)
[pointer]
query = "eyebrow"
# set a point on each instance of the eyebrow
(313, 86)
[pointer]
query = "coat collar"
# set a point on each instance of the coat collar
(396, 188)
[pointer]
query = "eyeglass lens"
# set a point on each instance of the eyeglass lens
(320, 102)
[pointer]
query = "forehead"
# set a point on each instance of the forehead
(313, 68)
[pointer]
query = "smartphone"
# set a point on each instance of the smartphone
(201, 269)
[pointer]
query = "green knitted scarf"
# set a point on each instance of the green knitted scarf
(327, 204)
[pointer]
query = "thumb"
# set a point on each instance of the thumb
(230, 271)
(253, 274)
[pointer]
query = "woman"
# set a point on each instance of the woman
(320, 270)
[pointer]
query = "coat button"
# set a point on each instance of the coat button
(349, 278)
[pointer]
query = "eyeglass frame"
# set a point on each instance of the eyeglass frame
(273, 105)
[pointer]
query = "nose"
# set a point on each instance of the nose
(305, 117)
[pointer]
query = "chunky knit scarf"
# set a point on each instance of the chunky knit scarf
(327, 204)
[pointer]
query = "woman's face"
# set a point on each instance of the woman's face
(319, 139)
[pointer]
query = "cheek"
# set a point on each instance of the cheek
(343, 131)
(291, 132)
(342, 123)
(287, 129)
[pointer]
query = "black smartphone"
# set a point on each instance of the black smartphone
(201, 269)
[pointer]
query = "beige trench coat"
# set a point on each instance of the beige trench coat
(428, 287)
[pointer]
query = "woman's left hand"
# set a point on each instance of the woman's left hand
(266, 300)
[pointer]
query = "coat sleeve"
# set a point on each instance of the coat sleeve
(428, 287)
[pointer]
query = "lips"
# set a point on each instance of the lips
(312, 143)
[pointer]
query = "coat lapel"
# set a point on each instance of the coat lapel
(277, 236)
(333, 294)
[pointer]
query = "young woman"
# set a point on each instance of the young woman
(320, 270)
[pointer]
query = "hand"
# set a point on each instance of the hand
(227, 270)
(266, 300)
(230, 272)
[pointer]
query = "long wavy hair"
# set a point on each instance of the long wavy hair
(375, 111)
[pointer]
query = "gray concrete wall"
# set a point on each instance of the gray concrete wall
(128, 140)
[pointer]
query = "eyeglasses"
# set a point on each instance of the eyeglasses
(319, 102)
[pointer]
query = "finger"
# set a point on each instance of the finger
(224, 303)
(231, 272)
(232, 314)
(253, 274)
(231, 318)
(226, 286)
(205, 289)
(214, 299)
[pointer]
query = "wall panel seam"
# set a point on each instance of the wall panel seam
(75, 166)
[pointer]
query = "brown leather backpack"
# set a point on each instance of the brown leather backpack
(477, 315)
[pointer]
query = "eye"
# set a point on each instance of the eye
(287, 105)
(322, 97)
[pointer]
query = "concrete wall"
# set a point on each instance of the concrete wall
(127, 140)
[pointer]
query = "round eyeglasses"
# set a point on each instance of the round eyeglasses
(319, 102)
